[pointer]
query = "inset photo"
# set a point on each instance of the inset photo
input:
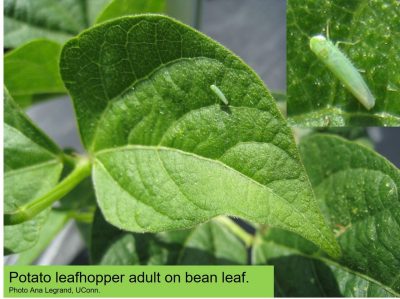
(343, 63)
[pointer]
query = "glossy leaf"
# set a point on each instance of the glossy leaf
(207, 244)
(300, 272)
(32, 69)
(119, 8)
(32, 167)
(168, 154)
(315, 96)
(358, 193)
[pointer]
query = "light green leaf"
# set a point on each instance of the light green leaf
(31, 168)
(208, 244)
(358, 193)
(95, 8)
(33, 69)
(55, 223)
(300, 272)
(315, 96)
(119, 8)
(168, 153)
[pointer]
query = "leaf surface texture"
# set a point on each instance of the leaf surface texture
(168, 153)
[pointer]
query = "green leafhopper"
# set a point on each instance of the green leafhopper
(219, 93)
(343, 69)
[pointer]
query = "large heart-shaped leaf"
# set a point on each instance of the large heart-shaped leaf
(32, 167)
(168, 153)
(206, 244)
(315, 96)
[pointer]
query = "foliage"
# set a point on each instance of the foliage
(32, 69)
(167, 162)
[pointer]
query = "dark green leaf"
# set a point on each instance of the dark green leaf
(207, 244)
(315, 96)
(358, 193)
(168, 153)
(300, 272)
(82, 197)
(32, 167)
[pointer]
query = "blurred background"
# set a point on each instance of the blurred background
(253, 29)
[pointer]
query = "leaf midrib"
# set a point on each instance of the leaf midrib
(119, 97)
(161, 148)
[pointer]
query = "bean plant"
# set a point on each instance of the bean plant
(188, 159)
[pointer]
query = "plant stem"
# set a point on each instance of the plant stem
(243, 235)
(28, 211)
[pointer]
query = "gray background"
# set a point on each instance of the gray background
(253, 29)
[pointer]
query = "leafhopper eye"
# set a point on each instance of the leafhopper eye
(219, 94)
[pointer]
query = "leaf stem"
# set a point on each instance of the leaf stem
(235, 228)
(28, 211)
(85, 217)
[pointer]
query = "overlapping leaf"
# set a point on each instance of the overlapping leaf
(32, 167)
(119, 8)
(33, 69)
(300, 271)
(168, 153)
(315, 96)
(39, 28)
(25, 20)
(358, 192)
(207, 244)
(56, 221)
(59, 20)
